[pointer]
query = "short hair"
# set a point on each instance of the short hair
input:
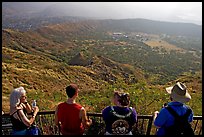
(15, 96)
(71, 90)
(123, 98)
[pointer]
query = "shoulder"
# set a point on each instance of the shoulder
(79, 105)
(188, 109)
(61, 104)
(133, 110)
(82, 109)
(163, 113)
(14, 111)
(20, 112)
(164, 109)
(106, 109)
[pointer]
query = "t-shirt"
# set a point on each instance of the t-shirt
(165, 119)
(110, 118)
(68, 115)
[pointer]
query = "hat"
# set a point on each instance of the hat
(179, 92)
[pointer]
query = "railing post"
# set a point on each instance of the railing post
(149, 127)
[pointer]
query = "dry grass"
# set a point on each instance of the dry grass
(163, 44)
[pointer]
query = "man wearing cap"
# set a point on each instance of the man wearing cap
(178, 96)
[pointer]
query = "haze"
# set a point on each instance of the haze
(189, 12)
(185, 12)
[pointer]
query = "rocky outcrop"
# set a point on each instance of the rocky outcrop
(78, 60)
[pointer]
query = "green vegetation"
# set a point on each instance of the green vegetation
(40, 62)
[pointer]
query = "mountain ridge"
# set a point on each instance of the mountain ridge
(39, 61)
(28, 21)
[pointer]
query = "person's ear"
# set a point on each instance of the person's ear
(76, 93)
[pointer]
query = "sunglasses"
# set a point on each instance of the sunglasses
(24, 96)
(121, 95)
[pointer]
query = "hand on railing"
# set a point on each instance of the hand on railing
(155, 115)
(35, 110)
(59, 126)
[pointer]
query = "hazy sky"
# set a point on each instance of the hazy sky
(190, 12)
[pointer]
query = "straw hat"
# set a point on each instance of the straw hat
(179, 92)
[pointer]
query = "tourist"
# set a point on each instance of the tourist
(70, 116)
(19, 108)
(120, 118)
(178, 96)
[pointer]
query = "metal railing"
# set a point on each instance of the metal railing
(143, 126)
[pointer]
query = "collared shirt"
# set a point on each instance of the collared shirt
(165, 119)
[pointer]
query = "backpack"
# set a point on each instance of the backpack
(120, 126)
(181, 125)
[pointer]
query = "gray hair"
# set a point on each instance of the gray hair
(16, 96)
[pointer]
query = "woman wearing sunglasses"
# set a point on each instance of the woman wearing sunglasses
(19, 108)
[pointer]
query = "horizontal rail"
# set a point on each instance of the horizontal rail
(100, 115)
(144, 124)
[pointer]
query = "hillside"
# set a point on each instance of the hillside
(42, 76)
(45, 60)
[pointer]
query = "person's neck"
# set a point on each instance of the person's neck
(122, 106)
(71, 101)
(119, 105)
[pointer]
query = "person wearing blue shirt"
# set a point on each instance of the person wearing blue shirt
(178, 96)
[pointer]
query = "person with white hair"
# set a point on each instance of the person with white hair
(19, 108)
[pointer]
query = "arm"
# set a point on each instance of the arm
(27, 106)
(25, 120)
(105, 113)
(161, 117)
(155, 116)
(57, 122)
(56, 117)
(190, 118)
(134, 115)
(85, 121)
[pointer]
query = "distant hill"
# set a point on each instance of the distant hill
(22, 50)
(76, 43)
(45, 60)
(28, 61)
(44, 50)
(31, 15)
(153, 27)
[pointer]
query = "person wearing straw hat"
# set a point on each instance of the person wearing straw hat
(179, 96)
